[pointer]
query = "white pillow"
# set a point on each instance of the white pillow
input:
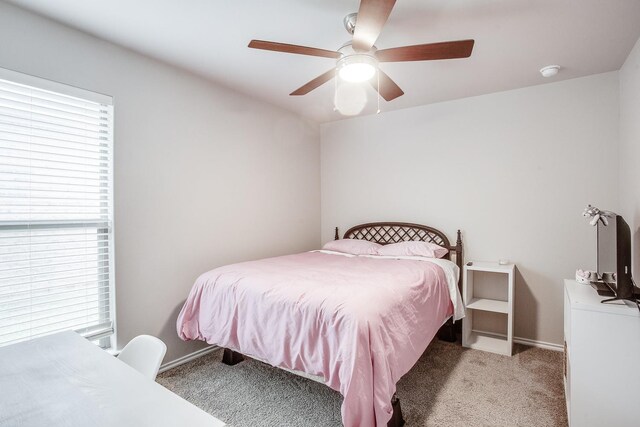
(353, 246)
(429, 250)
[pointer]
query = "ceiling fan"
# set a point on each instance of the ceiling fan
(357, 60)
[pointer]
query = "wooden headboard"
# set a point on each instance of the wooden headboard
(385, 233)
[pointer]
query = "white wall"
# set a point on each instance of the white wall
(630, 150)
(513, 170)
(203, 176)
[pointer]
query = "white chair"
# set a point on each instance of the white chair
(144, 353)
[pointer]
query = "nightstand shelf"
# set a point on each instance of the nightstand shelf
(487, 341)
(486, 304)
(492, 294)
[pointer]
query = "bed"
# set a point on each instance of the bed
(355, 323)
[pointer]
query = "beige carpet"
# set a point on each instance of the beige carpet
(449, 386)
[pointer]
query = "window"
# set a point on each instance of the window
(56, 210)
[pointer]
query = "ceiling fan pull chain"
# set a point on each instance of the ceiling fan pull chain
(378, 91)
(335, 92)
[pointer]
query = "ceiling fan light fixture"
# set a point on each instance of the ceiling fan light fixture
(358, 67)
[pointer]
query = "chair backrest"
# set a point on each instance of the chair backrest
(144, 353)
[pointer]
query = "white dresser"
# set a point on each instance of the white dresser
(602, 359)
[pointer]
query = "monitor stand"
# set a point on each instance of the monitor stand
(603, 289)
(610, 290)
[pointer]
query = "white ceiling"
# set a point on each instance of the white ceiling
(514, 39)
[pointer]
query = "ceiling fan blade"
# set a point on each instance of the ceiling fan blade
(315, 83)
(372, 16)
(389, 90)
(293, 48)
(427, 52)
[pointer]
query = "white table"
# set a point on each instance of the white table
(64, 380)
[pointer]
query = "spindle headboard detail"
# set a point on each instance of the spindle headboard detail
(386, 233)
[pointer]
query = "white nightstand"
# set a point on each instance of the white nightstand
(497, 298)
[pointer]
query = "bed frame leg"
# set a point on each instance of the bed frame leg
(448, 332)
(396, 419)
(230, 357)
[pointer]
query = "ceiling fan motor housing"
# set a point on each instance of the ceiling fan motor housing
(349, 22)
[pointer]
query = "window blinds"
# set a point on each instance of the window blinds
(56, 210)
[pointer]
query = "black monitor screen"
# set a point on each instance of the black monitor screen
(607, 250)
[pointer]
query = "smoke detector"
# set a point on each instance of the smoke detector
(549, 70)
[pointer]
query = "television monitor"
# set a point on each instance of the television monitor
(614, 256)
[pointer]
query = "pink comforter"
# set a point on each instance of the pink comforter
(360, 323)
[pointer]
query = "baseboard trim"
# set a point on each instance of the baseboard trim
(539, 344)
(187, 358)
(527, 341)
(203, 351)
